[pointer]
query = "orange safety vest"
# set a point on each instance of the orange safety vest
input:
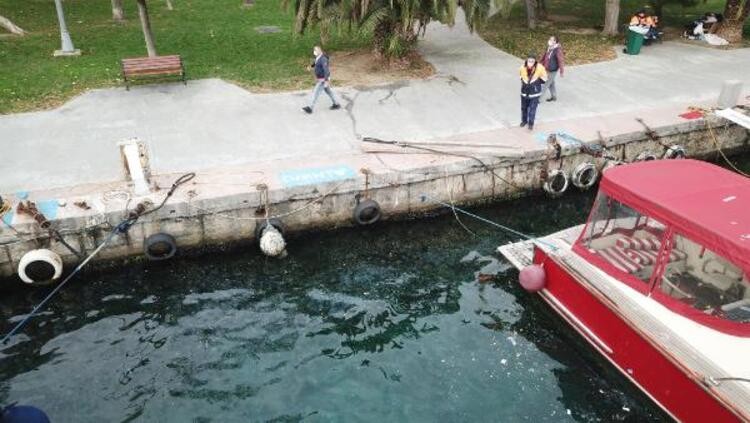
(637, 20)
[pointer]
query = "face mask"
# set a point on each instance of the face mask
(550, 43)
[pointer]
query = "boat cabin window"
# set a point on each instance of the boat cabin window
(622, 239)
(706, 281)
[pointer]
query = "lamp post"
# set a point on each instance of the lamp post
(67, 44)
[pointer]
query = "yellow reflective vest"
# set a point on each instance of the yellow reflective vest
(531, 85)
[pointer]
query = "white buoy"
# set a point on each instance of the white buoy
(272, 242)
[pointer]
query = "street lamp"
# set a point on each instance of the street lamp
(67, 44)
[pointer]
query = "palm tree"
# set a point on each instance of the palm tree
(394, 24)
(736, 13)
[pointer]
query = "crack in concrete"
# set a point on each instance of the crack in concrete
(394, 85)
(392, 91)
(350, 112)
(450, 78)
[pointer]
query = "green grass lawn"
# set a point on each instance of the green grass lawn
(577, 23)
(216, 38)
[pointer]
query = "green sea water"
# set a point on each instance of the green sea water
(385, 324)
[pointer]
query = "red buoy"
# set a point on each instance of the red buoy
(532, 278)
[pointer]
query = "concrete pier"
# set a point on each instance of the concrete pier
(223, 205)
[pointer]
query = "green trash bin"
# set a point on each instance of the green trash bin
(634, 42)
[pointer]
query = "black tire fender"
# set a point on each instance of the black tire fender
(367, 212)
(159, 246)
(675, 152)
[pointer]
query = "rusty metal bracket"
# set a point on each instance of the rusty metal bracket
(651, 134)
(367, 172)
(29, 208)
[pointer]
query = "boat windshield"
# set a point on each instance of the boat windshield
(657, 260)
(707, 282)
(623, 241)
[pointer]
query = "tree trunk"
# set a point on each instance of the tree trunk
(531, 14)
(735, 15)
(118, 15)
(10, 26)
(542, 10)
(611, 17)
(146, 25)
(169, 5)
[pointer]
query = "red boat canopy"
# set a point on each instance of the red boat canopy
(704, 202)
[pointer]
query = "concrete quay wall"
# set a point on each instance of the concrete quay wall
(197, 220)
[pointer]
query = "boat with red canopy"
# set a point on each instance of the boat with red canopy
(657, 282)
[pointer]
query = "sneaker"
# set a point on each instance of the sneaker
(531, 127)
(552, 99)
(523, 124)
(307, 110)
(336, 107)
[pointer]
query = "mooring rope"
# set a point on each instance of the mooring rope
(490, 222)
(719, 149)
(121, 228)
(302, 208)
(406, 144)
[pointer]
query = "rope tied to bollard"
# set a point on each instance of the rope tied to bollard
(121, 228)
(715, 139)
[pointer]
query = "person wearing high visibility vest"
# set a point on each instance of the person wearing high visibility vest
(652, 22)
(639, 19)
(533, 76)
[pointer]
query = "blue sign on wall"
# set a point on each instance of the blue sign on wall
(315, 175)
(47, 207)
(563, 138)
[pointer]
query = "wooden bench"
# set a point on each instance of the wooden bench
(152, 66)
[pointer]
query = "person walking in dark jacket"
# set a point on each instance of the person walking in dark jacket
(533, 76)
(323, 80)
(553, 61)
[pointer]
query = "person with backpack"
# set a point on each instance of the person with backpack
(533, 76)
(323, 80)
(553, 61)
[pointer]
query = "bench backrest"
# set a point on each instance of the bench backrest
(158, 62)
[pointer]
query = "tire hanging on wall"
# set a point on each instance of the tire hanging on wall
(645, 156)
(675, 151)
(610, 164)
(585, 175)
(40, 267)
(159, 246)
(367, 212)
(556, 183)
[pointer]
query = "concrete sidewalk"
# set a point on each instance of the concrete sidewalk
(212, 124)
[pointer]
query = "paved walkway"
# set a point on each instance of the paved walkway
(211, 123)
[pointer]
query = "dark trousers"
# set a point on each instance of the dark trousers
(528, 109)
